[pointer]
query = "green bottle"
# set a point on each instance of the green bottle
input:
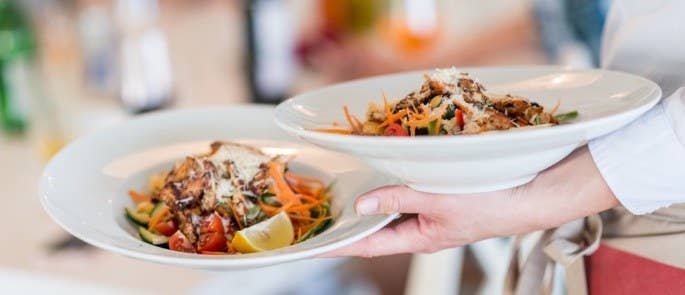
(17, 52)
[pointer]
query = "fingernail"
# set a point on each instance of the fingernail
(367, 206)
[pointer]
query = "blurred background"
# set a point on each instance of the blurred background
(70, 67)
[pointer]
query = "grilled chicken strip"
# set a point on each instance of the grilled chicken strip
(197, 185)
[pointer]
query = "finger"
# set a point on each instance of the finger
(395, 199)
(405, 237)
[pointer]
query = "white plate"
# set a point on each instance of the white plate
(606, 100)
(84, 187)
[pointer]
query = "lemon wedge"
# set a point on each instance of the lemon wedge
(273, 233)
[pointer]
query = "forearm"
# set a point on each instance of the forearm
(571, 189)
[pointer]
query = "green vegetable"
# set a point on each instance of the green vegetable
(158, 207)
(270, 199)
(316, 211)
(254, 212)
(435, 101)
(254, 215)
(449, 114)
(566, 116)
(433, 127)
(145, 207)
(155, 239)
(316, 230)
(141, 218)
(537, 121)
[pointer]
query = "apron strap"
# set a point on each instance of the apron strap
(566, 245)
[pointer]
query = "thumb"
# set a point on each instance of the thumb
(394, 199)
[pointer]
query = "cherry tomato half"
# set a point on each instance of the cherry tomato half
(215, 242)
(212, 224)
(179, 242)
(167, 228)
(395, 130)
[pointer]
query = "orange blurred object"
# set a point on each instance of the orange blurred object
(406, 40)
(412, 26)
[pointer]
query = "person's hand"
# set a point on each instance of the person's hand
(569, 190)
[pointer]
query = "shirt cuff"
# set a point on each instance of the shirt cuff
(643, 163)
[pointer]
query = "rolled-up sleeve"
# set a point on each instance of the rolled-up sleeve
(644, 162)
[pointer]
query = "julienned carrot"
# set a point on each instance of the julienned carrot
(556, 108)
(270, 210)
(294, 192)
(392, 118)
(304, 184)
(360, 125)
(305, 206)
(283, 192)
(159, 217)
(334, 131)
(311, 199)
(303, 178)
(137, 197)
(296, 217)
(351, 120)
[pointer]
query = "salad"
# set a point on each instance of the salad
(233, 199)
(450, 103)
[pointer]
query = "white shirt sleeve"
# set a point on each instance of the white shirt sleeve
(644, 162)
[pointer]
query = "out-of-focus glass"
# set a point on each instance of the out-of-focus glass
(411, 26)
(144, 63)
(17, 54)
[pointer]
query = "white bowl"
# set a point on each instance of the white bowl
(606, 101)
(83, 188)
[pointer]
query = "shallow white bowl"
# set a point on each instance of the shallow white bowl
(83, 188)
(606, 100)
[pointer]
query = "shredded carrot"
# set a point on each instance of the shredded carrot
(137, 197)
(298, 194)
(386, 106)
(555, 108)
(159, 217)
(306, 206)
(312, 198)
(360, 125)
(392, 118)
(283, 192)
(304, 184)
(307, 218)
(334, 131)
(301, 178)
(352, 120)
(270, 210)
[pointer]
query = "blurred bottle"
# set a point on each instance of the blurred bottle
(270, 50)
(17, 53)
(145, 78)
(97, 39)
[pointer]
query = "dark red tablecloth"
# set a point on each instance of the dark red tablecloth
(613, 271)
